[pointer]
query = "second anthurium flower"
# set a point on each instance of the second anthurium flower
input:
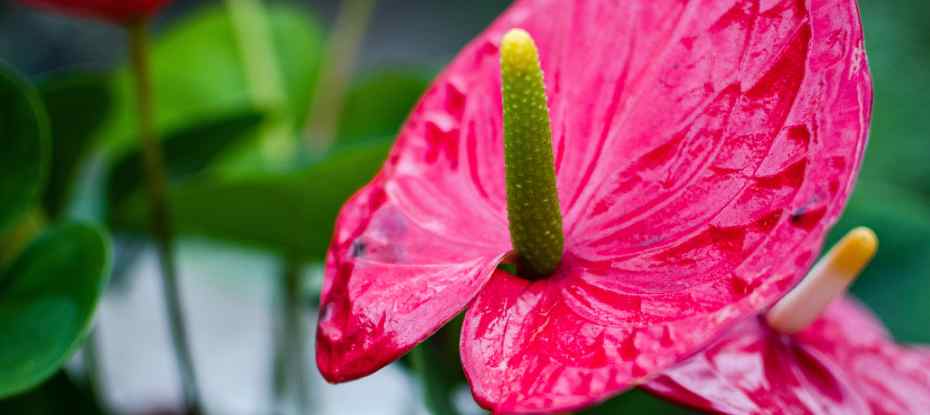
(701, 151)
(815, 352)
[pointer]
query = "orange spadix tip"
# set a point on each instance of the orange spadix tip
(852, 253)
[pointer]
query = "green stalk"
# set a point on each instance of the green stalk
(436, 388)
(94, 369)
(160, 220)
(291, 360)
(532, 197)
(343, 48)
(250, 21)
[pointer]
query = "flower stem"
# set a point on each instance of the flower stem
(289, 366)
(290, 363)
(435, 385)
(532, 197)
(342, 52)
(94, 369)
(160, 220)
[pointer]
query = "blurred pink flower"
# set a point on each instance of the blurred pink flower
(116, 11)
(845, 363)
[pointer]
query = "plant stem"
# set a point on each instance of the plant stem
(160, 220)
(436, 390)
(290, 362)
(342, 52)
(250, 21)
(96, 380)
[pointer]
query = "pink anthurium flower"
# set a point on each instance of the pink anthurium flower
(115, 11)
(702, 149)
(844, 363)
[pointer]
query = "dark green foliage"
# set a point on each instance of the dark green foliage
(637, 401)
(436, 362)
(377, 104)
(77, 106)
(47, 300)
(58, 395)
(288, 213)
(198, 72)
(25, 147)
(896, 284)
(896, 38)
(186, 152)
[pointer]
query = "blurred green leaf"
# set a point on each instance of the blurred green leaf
(438, 390)
(47, 300)
(186, 152)
(197, 71)
(896, 284)
(298, 39)
(896, 38)
(437, 363)
(289, 213)
(77, 106)
(377, 104)
(58, 395)
(637, 401)
(24, 157)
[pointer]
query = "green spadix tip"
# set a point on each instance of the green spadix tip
(518, 52)
(532, 198)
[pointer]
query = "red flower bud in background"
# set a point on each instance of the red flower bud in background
(115, 11)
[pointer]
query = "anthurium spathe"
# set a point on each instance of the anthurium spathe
(844, 363)
(701, 150)
(115, 11)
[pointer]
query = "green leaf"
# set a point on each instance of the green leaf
(24, 155)
(197, 71)
(58, 395)
(47, 300)
(896, 283)
(637, 401)
(298, 41)
(186, 152)
(77, 105)
(437, 363)
(437, 389)
(290, 213)
(896, 43)
(378, 104)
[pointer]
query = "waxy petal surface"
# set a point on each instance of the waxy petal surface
(845, 363)
(702, 149)
(116, 11)
(391, 281)
(700, 164)
(558, 345)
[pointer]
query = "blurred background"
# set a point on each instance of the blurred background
(277, 111)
